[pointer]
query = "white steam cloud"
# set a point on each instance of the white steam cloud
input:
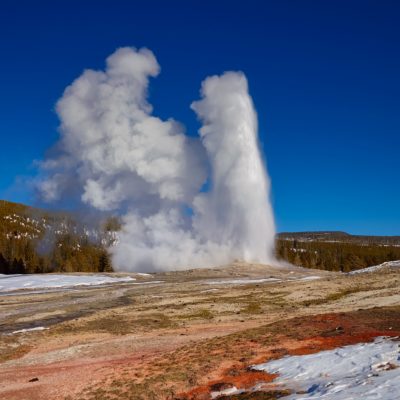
(116, 156)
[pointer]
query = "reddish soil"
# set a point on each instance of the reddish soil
(58, 380)
(331, 331)
(296, 336)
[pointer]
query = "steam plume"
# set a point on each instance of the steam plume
(116, 156)
(237, 210)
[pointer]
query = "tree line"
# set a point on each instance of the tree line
(335, 256)
(36, 241)
(20, 257)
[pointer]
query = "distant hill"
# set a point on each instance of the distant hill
(338, 236)
(336, 251)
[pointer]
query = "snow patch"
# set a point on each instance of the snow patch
(363, 371)
(374, 268)
(40, 281)
(309, 278)
(226, 392)
(38, 328)
(243, 281)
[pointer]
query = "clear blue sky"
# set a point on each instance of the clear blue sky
(324, 75)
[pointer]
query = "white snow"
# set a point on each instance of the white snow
(363, 371)
(38, 328)
(242, 281)
(387, 264)
(309, 278)
(39, 281)
(245, 281)
(209, 290)
(225, 392)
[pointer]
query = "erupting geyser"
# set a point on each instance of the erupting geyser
(237, 209)
(116, 156)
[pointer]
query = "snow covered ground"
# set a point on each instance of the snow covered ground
(10, 283)
(388, 264)
(364, 371)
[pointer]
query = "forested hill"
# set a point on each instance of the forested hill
(336, 251)
(337, 236)
(34, 240)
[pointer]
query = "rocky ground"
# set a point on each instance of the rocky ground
(190, 335)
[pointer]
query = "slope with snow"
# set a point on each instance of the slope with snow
(374, 268)
(363, 371)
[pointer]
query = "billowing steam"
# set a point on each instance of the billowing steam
(116, 156)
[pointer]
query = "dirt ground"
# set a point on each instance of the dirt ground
(193, 333)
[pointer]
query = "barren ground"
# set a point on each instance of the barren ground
(187, 336)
